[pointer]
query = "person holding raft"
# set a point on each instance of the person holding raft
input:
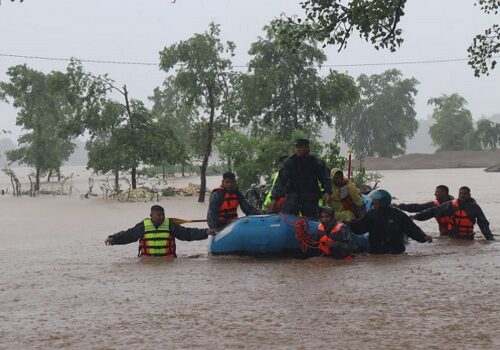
(157, 234)
(463, 212)
(387, 226)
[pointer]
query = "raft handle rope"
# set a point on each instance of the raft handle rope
(301, 233)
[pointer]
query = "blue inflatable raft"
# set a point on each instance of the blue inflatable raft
(263, 234)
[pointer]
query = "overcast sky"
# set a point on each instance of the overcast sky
(125, 30)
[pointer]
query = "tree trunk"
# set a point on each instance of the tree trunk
(49, 176)
(183, 169)
(164, 172)
(134, 182)
(14, 192)
(229, 164)
(117, 179)
(208, 149)
(58, 174)
(37, 180)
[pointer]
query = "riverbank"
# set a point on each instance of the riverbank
(441, 160)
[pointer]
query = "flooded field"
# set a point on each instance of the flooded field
(61, 287)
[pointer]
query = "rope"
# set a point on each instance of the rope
(301, 233)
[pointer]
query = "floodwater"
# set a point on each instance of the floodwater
(61, 287)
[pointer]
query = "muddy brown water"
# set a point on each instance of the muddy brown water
(60, 287)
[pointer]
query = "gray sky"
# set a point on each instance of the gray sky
(137, 30)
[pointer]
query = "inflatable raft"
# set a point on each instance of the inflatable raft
(264, 235)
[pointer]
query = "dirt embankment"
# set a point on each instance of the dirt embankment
(450, 159)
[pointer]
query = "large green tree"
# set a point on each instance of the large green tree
(282, 92)
(44, 104)
(453, 127)
(202, 70)
(378, 22)
(383, 119)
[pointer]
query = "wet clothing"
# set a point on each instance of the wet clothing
(472, 211)
(337, 240)
(176, 231)
(387, 228)
(300, 181)
(222, 208)
(346, 201)
(443, 222)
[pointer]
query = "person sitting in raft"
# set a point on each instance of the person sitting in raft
(464, 213)
(337, 239)
(281, 200)
(157, 235)
(224, 202)
(387, 226)
(442, 196)
(346, 199)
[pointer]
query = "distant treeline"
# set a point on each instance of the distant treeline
(249, 118)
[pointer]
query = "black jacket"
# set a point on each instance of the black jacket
(216, 199)
(416, 208)
(473, 210)
(135, 233)
(387, 228)
(300, 175)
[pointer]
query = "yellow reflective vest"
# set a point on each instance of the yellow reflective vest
(157, 241)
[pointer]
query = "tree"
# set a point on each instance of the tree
(488, 133)
(283, 92)
(377, 21)
(202, 75)
(44, 105)
(169, 108)
(383, 119)
(453, 123)
(123, 138)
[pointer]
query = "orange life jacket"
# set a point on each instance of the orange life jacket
(228, 210)
(323, 246)
(443, 222)
(347, 202)
(460, 223)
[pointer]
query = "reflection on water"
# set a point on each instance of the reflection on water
(61, 287)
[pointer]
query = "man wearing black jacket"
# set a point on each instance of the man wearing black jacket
(300, 181)
(442, 196)
(157, 235)
(387, 226)
(464, 213)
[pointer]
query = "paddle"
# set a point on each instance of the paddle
(183, 221)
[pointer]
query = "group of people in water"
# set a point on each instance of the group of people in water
(304, 186)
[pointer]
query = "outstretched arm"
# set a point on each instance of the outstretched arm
(128, 236)
(445, 209)
(188, 234)
(415, 207)
(413, 231)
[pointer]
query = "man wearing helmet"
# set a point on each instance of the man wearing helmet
(387, 226)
